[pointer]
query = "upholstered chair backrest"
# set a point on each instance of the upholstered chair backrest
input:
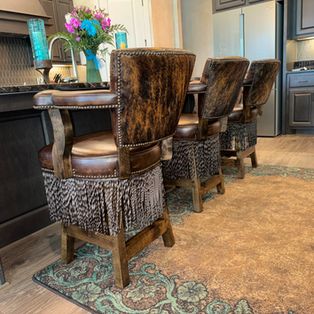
(224, 78)
(151, 85)
(260, 80)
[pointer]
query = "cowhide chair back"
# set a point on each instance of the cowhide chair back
(240, 138)
(196, 148)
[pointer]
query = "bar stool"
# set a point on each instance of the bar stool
(104, 184)
(240, 138)
(195, 161)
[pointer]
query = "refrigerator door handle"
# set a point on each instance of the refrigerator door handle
(242, 36)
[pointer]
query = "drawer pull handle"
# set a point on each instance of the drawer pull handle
(302, 81)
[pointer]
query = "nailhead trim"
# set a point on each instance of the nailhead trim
(43, 107)
(114, 176)
(77, 107)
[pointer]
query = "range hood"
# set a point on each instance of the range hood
(15, 13)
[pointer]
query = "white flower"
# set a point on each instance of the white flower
(68, 17)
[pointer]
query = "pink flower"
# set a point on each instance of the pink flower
(76, 23)
(105, 23)
(98, 15)
(75, 11)
(69, 28)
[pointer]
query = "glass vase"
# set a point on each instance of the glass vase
(92, 72)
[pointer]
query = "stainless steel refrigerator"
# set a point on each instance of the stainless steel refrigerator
(254, 32)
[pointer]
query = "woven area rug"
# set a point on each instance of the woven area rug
(250, 251)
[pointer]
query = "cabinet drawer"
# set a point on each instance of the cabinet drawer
(301, 80)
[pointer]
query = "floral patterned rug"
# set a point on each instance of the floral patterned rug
(243, 254)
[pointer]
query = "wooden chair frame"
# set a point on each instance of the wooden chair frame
(238, 161)
(122, 250)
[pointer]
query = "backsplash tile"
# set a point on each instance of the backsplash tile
(16, 64)
(305, 50)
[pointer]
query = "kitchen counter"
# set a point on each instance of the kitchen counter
(25, 89)
(16, 98)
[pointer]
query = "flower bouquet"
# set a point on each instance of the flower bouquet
(88, 30)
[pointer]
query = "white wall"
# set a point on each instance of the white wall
(87, 3)
(197, 30)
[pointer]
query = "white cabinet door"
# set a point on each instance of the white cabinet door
(135, 16)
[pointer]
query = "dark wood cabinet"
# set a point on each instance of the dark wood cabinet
(64, 7)
(51, 25)
(23, 207)
(227, 4)
(300, 101)
(219, 5)
(302, 18)
(57, 9)
(301, 107)
(23, 132)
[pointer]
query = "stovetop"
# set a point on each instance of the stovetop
(307, 65)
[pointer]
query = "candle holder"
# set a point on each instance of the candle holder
(37, 33)
(121, 40)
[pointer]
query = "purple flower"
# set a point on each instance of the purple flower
(78, 38)
(69, 28)
(76, 23)
(88, 10)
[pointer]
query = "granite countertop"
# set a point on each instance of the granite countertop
(26, 89)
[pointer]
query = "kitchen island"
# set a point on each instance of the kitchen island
(23, 132)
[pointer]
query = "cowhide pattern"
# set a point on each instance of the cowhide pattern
(224, 78)
(261, 76)
(151, 85)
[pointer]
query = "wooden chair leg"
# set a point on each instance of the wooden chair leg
(120, 260)
(2, 278)
(168, 236)
(197, 196)
(67, 246)
(241, 167)
(254, 159)
(221, 186)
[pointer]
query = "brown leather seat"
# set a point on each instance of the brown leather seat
(97, 155)
(237, 115)
(188, 127)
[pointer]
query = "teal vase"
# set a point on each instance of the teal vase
(92, 72)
